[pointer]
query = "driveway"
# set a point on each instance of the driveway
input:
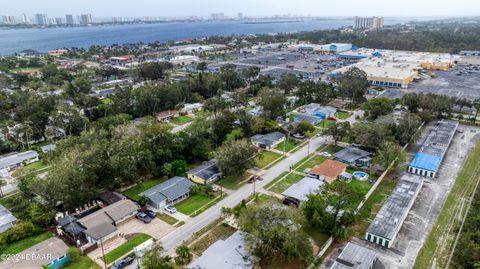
(172, 240)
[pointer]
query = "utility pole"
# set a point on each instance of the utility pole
(103, 253)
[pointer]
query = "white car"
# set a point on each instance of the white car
(326, 154)
(170, 209)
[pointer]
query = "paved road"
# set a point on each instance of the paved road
(174, 239)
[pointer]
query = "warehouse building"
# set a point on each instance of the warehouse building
(354, 256)
(387, 223)
(428, 159)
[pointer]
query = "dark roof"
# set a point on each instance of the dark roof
(355, 257)
(100, 231)
(111, 197)
(73, 228)
(170, 189)
(206, 171)
(268, 139)
(351, 154)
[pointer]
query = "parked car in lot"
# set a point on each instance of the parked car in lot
(170, 209)
(150, 213)
(122, 263)
(143, 217)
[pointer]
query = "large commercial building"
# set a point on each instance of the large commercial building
(69, 19)
(368, 23)
(86, 19)
(428, 159)
(41, 19)
(387, 223)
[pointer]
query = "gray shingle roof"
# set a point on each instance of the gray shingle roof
(206, 171)
(354, 256)
(306, 118)
(268, 139)
(351, 154)
(171, 189)
(390, 218)
(99, 231)
(6, 216)
(16, 158)
(303, 188)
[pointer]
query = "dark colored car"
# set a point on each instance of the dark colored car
(122, 263)
(254, 178)
(150, 213)
(143, 217)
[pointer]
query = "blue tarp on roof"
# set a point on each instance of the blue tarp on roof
(426, 162)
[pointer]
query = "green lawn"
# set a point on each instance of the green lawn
(265, 158)
(435, 248)
(311, 163)
(275, 180)
(134, 191)
(181, 120)
(325, 123)
(220, 232)
(332, 149)
(83, 262)
(23, 244)
(194, 202)
(167, 218)
(36, 167)
(361, 187)
(319, 238)
(262, 198)
(288, 181)
(288, 145)
(126, 247)
(233, 183)
(342, 115)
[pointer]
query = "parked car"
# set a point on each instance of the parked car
(325, 154)
(150, 213)
(170, 209)
(122, 263)
(143, 217)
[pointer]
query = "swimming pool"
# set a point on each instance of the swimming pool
(360, 175)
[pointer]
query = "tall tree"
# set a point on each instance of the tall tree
(235, 157)
(155, 259)
(273, 103)
(353, 84)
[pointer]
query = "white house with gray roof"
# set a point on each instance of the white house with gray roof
(16, 159)
(7, 220)
(268, 141)
(354, 256)
(171, 191)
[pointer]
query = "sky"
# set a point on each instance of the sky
(176, 8)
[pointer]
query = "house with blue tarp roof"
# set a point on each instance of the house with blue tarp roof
(429, 164)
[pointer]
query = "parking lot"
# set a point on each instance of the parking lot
(450, 83)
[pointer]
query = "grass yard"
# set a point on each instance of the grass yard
(343, 115)
(36, 167)
(134, 191)
(288, 145)
(181, 120)
(371, 207)
(288, 181)
(167, 218)
(361, 187)
(325, 123)
(233, 183)
(319, 238)
(23, 244)
(222, 231)
(437, 246)
(265, 158)
(194, 202)
(311, 163)
(332, 149)
(262, 198)
(83, 262)
(126, 247)
(275, 180)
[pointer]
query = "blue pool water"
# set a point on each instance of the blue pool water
(360, 175)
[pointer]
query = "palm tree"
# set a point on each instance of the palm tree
(183, 255)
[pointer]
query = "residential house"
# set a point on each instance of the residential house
(16, 159)
(268, 141)
(354, 256)
(111, 197)
(167, 115)
(231, 253)
(100, 225)
(205, 174)
(298, 192)
(7, 220)
(354, 156)
(192, 108)
(318, 110)
(330, 169)
(299, 117)
(49, 147)
(169, 192)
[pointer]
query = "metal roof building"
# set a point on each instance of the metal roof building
(7, 220)
(354, 256)
(13, 160)
(388, 221)
(226, 254)
(300, 190)
(428, 159)
(170, 191)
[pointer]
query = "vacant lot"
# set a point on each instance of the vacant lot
(265, 158)
(283, 184)
(220, 232)
(311, 163)
(288, 145)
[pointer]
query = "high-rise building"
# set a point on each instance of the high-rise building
(25, 18)
(8, 19)
(371, 23)
(58, 21)
(41, 19)
(217, 16)
(69, 19)
(117, 19)
(240, 16)
(86, 19)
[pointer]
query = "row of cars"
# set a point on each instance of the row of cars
(148, 215)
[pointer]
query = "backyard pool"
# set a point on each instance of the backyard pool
(360, 175)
